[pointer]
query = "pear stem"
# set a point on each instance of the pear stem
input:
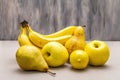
(83, 25)
(51, 73)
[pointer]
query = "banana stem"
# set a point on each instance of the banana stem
(51, 73)
(24, 23)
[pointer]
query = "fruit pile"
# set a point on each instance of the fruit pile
(39, 52)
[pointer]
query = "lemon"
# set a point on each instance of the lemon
(79, 59)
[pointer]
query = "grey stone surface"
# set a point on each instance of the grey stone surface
(47, 16)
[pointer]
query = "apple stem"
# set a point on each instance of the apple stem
(51, 73)
(96, 46)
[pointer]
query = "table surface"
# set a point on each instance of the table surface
(9, 70)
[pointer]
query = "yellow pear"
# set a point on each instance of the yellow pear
(77, 41)
(30, 58)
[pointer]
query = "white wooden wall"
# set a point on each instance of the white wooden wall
(102, 17)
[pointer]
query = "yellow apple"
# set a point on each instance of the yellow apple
(79, 59)
(55, 54)
(98, 52)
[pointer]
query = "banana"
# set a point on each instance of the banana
(66, 31)
(23, 38)
(39, 40)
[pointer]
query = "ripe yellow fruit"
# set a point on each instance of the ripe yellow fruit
(55, 54)
(30, 58)
(40, 40)
(77, 41)
(23, 38)
(98, 52)
(65, 31)
(79, 59)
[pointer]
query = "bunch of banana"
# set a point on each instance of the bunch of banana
(40, 40)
